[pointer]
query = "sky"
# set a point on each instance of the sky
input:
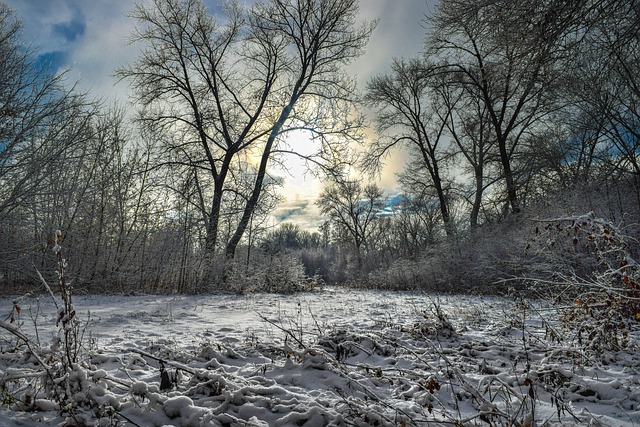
(90, 39)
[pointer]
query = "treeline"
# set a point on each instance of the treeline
(514, 111)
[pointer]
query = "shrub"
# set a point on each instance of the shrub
(62, 379)
(282, 273)
(601, 284)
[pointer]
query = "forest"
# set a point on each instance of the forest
(520, 120)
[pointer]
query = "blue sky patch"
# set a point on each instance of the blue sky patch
(70, 30)
(52, 60)
(288, 213)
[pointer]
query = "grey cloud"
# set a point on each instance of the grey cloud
(90, 38)
(70, 30)
(399, 33)
(301, 211)
(49, 25)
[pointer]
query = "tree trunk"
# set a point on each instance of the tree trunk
(431, 162)
(512, 192)
(444, 208)
(477, 201)
(211, 239)
(257, 188)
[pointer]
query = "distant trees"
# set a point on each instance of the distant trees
(353, 210)
(289, 236)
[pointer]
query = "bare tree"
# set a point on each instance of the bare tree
(469, 127)
(322, 36)
(507, 53)
(407, 113)
(353, 209)
(221, 87)
(204, 86)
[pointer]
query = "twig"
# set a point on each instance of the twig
(165, 361)
(283, 329)
(14, 331)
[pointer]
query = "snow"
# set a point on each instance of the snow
(335, 357)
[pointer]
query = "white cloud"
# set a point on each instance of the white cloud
(105, 47)
(299, 209)
(91, 38)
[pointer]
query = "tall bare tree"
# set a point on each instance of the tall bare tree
(469, 127)
(507, 53)
(408, 113)
(230, 84)
(322, 37)
(203, 84)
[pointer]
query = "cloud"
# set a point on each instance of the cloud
(104, 48)
(300, 210)
(293, 208)
(49, 25)
(69, 30)
(400, 33)
(91, 37)
(88, 38)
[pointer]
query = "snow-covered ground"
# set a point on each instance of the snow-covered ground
(334, 357)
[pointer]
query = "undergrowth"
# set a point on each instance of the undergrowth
(597, 285)
(57, 376)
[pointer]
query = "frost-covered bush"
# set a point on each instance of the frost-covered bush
(598, 277)
(281, 273)
(405, 274)
(61, 379)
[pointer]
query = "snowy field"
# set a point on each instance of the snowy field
(329, 358)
